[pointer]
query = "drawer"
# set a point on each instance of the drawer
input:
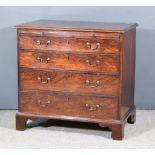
(69, 82)
(84, 62)
(92, 44)
(44, 103)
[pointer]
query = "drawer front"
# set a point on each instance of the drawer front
(69, 44)
(83, 62)
(69, 82)
(67, 105)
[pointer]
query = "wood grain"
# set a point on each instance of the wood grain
(69, 44)
(70, 61)
(62, 104)
(69, 82)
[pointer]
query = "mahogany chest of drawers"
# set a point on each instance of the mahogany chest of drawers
(77, 71)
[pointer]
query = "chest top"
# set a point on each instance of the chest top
(77, 25)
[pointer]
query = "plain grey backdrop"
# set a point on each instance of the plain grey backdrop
(145, 59)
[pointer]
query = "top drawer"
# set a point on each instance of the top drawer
(70, 42)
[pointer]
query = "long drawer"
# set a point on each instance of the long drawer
(55, 80)
(91, 44)
(69, 61)
(44, 103)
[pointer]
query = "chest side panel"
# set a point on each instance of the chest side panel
(128, 71)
